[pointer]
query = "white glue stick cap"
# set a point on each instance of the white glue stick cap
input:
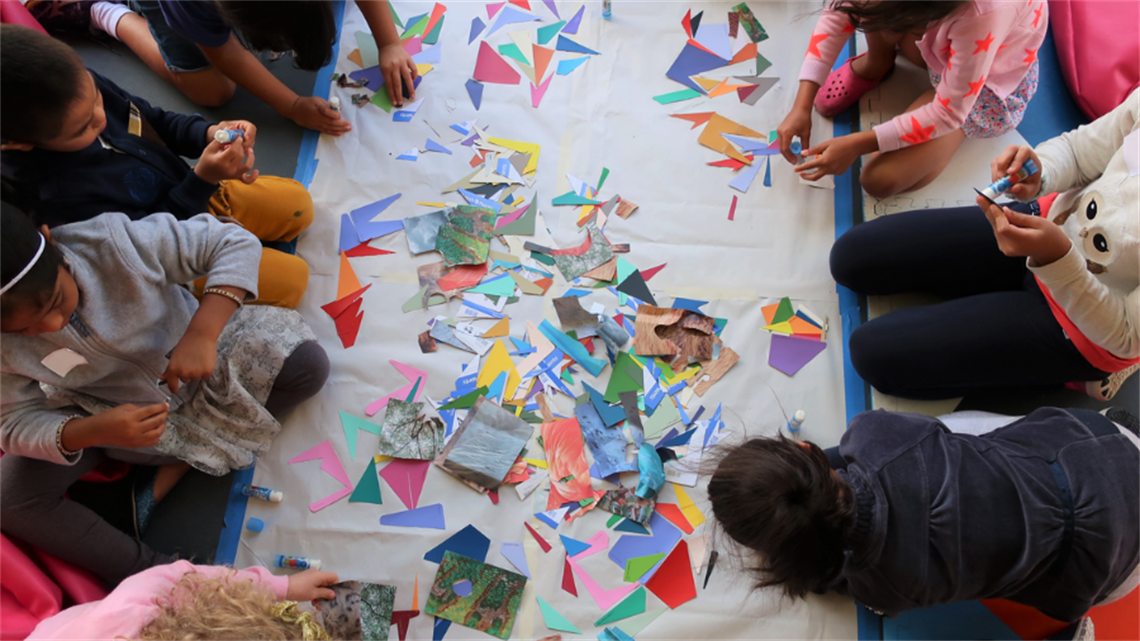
(276, 496)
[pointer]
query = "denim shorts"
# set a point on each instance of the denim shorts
(180, 54)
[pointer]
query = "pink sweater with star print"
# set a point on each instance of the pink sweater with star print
(989, 43)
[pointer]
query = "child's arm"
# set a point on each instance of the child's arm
(827, 39)
(241, 66)
(182, 134)
(395, 62)
(1076, 158)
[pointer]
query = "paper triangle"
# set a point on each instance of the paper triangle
(493, 8)
(331, 465)
(801, 327)
(745, 91)
(522, 41)
(565, 67)
(429, 516)
(744, 178)
(568, 577)
(784, 312)
(514, 553)
(412, 374)
(545, 34)
(688, 508)
(475, 91)
(368, 487)
(348, 324)
(675, 516)
(510, 15)
(366, 228)
(498, 361)
(499, 329)
(490, 67)
(553, 9)
(523, 225)
(432, 145)
(347, 282)
(543, 543)
(364, 249)
(554, 620)
(566, 44)
(406, 479)
(477, 26)
(412, 155)
(631, 526)
(338, 307)
(707, 83)
(572, 26)
(635, 286)
(724, 88)
(695, 22)
(573, 547)
(746, 52)
(536, 93)
(696, 119)
(686, 23)
(352, 425)
(636, 567)
(789, 354)
(763, 86)
(512, 51)
(651, 272)
(635, 625)
(673, 582)
(633, 605)
(468, 542)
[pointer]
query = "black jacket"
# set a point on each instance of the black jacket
(147, 177)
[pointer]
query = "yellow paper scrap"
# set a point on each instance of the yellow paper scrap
(523, 147)
(537, 462)
(707, 83)
(499, 329)
(423, 68)
(684, 375)
(688, 508)
(781, 328)
(499, 361)
(440, 205)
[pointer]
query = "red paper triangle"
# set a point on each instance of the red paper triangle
(673, 581)
(401, 618)
(364, 249)
(747, 52)
(731, 163)
(744, 92)
(348, 324)
(490, 67)
(704, 48)
(675, 516)
(685, 22)
(652, 271)
(521, 3)
(620, 318)
(494, 496)
(696, 119)
(568, 578)
(543, 543)
(337, 307)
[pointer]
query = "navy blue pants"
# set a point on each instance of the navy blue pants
(995, 330)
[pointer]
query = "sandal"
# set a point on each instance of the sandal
(844, 88)
(1106, 388)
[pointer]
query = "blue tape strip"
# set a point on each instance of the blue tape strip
(306, 167)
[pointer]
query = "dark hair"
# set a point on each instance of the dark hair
(39, 79)
(781, 501)
(19, 241)
(901, 16)
(305, 27)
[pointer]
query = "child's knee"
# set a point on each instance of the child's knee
(283, 279)
(874, 357)
(879, 183)
(292, 203)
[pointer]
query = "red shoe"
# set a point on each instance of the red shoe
(844, 88)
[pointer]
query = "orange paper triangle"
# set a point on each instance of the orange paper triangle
(499, 329)
(355, 57)
(723, 88)
(542, 57)
(708, 84)
(746, 53)
(348, 283)
(696, 119)
(769, 312)
(416, 590)
(675, 516)
(801, 327)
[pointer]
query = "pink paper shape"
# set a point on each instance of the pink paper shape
(598, 543)
(506, 220)
(332, 466)
(536, 93)
(410, 373)
(414, 46)
(406, 478)
(605, 599)
(789, 354)
(493, 8)
(490, 67)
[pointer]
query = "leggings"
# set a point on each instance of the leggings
(33, 506)
(996, 331)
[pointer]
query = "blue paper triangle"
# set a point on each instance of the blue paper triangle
(572, 26)
(428, 516)
(510, 15)
(610, 414)
(432, 145)
(441, 625)
(477, 27)
(962, 620)
(475, 90)
(693, 61)
(348, 238)
(768, 172)
(744, 177)
(573, 546)
(469, 542)
(430, 56)
(497, 386)
(631, 526)
(362, 217)
(566, 44)
(689, 304)
(567, 66)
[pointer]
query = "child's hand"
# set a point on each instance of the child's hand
(399, 71)
(193, 359)
(835, 156)
(315, 113)
(132, 426)
(249, 137)
(1009, 163)
(307, 585)
(231, 161)
(1023, 235)
(796, 123)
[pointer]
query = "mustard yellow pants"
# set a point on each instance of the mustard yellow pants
(274, 209)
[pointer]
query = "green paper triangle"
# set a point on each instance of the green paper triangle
(381, 99)
(523, 225)
(395, 18)
(465, 402)
(623, 378)
(415, 388)
(784, 311)
(602, 180)
(352, 425)
(511, 50)
(634, 626)
(545, 34)
(636, 567)
(624, 269)
(614, 519)
(545, 259)
(553, 619)
(762, 64)
(566, 376)
(571, 198)
(368, 488)
(416, 29)
(633, 604)
(433, 37)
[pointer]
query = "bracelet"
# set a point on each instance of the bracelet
(59, 437)
(222, 292)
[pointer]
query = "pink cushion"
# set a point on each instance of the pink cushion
(35, 586)
(1098, 46)
(12, 12)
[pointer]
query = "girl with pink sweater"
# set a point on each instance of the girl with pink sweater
(982, 60)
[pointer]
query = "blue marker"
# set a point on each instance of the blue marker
(606, 13)
(226, 136)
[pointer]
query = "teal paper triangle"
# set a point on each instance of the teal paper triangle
(624, 269)
(573, 546)
(368, 487)
(549, 31)
(633, 605)
(352, 425)
(554, 620)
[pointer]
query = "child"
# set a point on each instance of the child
(201, 48)
(982, 59)
(184, 601)
(105, 355)
(75, 145)
(905, 514)
(1068, 314)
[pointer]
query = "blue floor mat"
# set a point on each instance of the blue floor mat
(1052, 110)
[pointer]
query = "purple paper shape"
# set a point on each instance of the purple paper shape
(469, 542)
(665, 536)
(553, 9)
(744, 177)
(572, 26)
(362, 217)
(428, 516)
(331, 465)
(432, 145)
(768, 172)
(348, 238)
(789, 354)
(373, 74)
(406, 478)
(477, 26)
(510, 14)
(430, 56)
(475, 90)
(513, 552)
(462, 588)
(693, 61)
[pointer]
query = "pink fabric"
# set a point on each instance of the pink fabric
(12, 12)
(1098, 46)
(991, 43)
(35, 585)
(124, 612)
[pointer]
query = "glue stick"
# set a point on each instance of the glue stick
(796, 421)
(334, 103)
(226, 136)
(606, 13)
(263, 493)
(1005, 183)
(299, 562)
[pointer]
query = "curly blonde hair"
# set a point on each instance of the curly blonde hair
(202, 608)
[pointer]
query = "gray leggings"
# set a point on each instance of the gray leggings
(33, 506)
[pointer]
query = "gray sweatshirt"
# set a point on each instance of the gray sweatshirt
(131, 314)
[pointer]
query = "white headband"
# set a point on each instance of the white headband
(27, 268)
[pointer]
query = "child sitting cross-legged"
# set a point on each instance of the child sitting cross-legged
(75, 145)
